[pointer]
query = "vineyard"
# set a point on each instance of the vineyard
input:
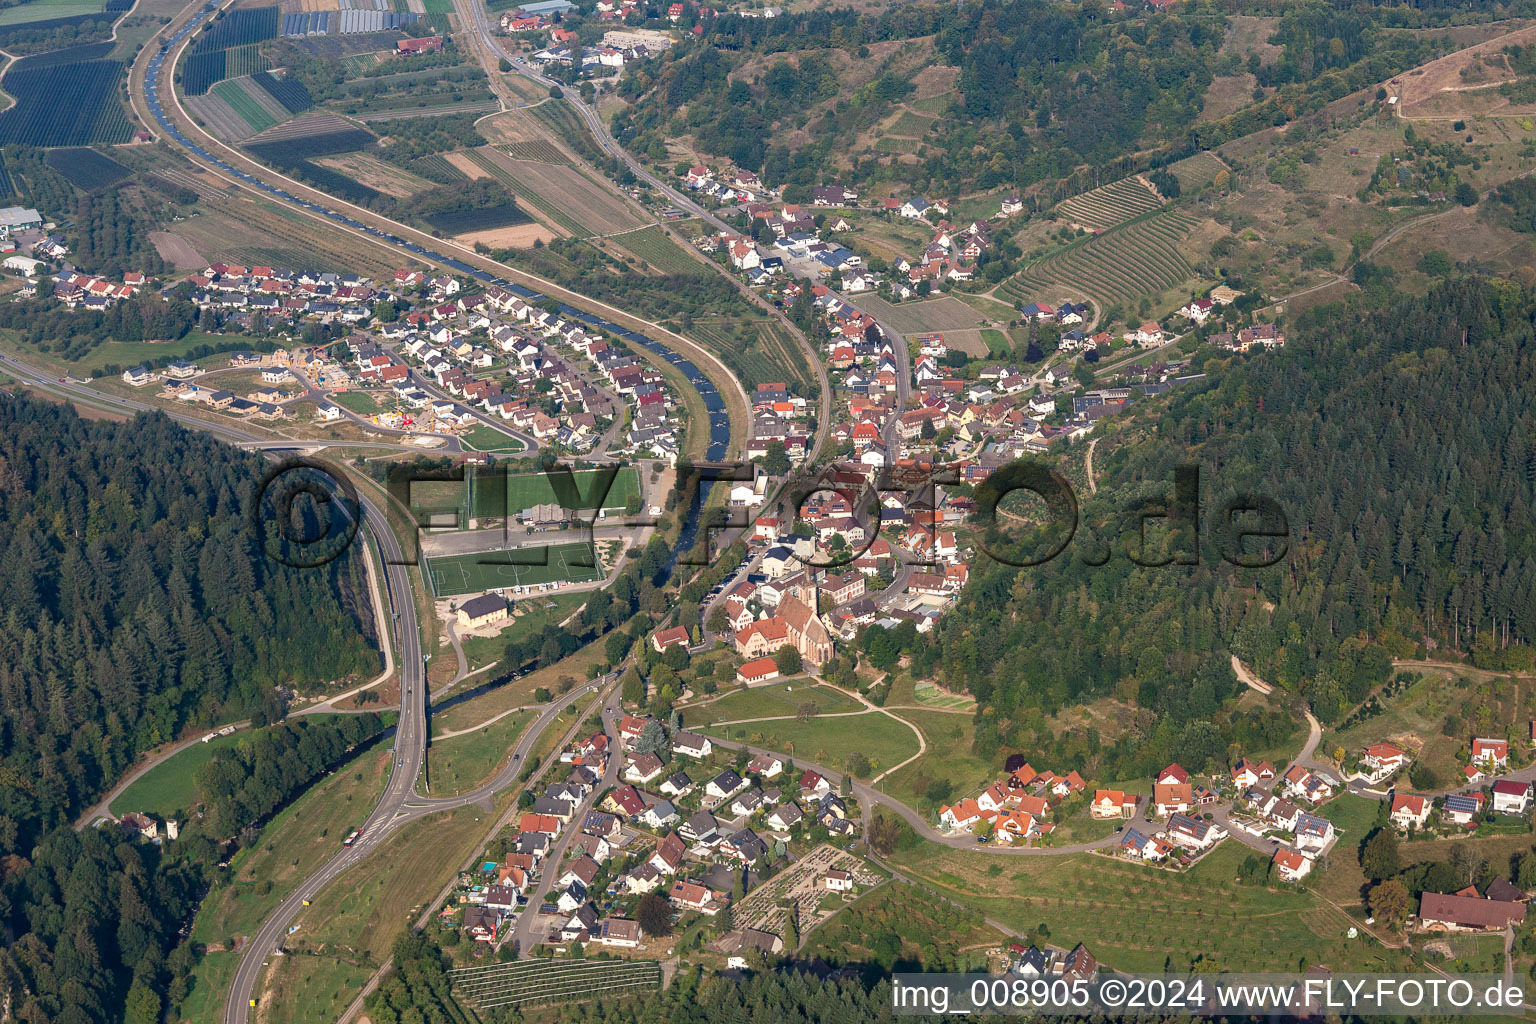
(239, 27)
(537, 149)
(658, 250)
(1196, 172)
(72, 104)
(435, 167)
(485, 160)
(289, 92)
(534, 981)
(85, 168)
(1137, 258)
(1111, 204)
(308, 137)
(756, 353)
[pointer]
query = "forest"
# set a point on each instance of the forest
(139, 603)
(1393, 433)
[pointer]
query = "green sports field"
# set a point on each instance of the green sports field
(525, 490)
(472, 574)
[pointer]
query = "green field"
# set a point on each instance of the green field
(460, 763)
(167, 790)
(1133, 916)
(1140, 257)
(526, 490)
(251, 112)
(910, 125)
(485, 438)
(948, 759)
(654, 246)
(47, 10)
(781, 698)
(474, 574)
(291, 847)
(830, 741)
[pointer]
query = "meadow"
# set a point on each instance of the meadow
(830, 742)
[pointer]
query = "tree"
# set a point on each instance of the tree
(718, 623)
(1466, 194)
(791, 934)
(776, 462)
(652, 739)
(384, 311)
(504, 66)
(654, 914)
(143, 1006)
(1378, 855)
(632, 689)
(1389, 902)
(788, 661)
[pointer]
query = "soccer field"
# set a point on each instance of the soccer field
(569, 562)
(526, 490)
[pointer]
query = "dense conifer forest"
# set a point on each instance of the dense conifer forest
(138, 602)
(1395, 440)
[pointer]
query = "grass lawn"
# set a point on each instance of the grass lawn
(291, 847)
(306, 987)
(830, 741)
(781, 698)
(210, 987)
(484, 438)
(1414, 717)
(948, 759)
(527, 566)
(360, 916)
(460, 763)
(581, 665)
(167, 790)
(1133, 916)
(927, 693)
(997, 342)
(361, 402)
(528, 616)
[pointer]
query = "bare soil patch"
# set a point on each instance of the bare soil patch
(516, 236)
(465, 164)
(176, 251)
(1227, 95)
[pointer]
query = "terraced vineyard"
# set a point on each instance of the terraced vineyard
(537, 149)
(1111, 204)
(1195, 172)
(1137, 258)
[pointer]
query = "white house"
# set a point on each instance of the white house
(1291, 865)
(1511, 797)
(1409, 811)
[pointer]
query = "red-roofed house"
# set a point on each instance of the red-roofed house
(1409, 811)
(1491, 754)
(664, 638)
(1112, 803)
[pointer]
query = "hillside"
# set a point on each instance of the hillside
(1395, 442)
(138, 602)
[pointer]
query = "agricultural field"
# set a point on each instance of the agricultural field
(256, 107)
(240, 26)
(237, 229)
(375, 173)
(1134, 916)
(530, 566)
(73, 104)
(942, 314)
(658, 250)
(307, 137)
(485, 161)
(1111, 204)
(1196, 172)
(288, 92)
(49, 10)
(1135, 259)
(566, 194)
(541, 150)
(85, 168)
